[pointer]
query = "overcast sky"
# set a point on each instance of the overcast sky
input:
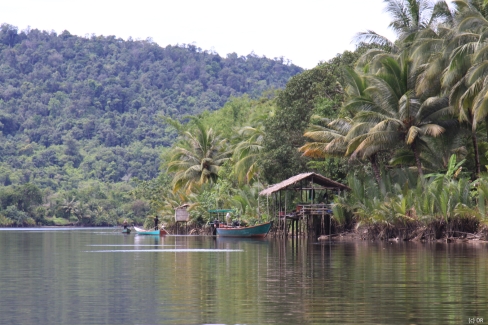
(304, 32)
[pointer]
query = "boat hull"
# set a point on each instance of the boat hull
(141, 231)
(126, 231)
(258, 231)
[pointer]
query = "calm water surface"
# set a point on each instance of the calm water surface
(100, 276)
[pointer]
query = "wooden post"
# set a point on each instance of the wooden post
(292, 228)
(284, 218)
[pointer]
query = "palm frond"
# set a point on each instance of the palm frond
(433, 130)
(431, 106)
(412, 134)
(371, 37)
(476, 72)
(480, 107)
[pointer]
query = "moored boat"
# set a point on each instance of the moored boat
(159, 232)
(257, 231)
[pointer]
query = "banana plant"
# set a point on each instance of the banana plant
(453, 170)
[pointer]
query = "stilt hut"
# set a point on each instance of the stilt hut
(182, 215)
(303, 201)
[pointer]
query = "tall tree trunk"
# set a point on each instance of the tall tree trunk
(376, 169)
(486, 125)
(476, 154)
(416, 154)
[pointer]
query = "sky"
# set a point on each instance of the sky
(304, 32)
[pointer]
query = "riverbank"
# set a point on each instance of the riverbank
(364, 233)
(421, 234)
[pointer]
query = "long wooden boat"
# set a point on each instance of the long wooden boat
(159, 232)
(258, 231)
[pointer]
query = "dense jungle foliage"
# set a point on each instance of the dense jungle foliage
(80, 116)
(416, 112)
(403, 123)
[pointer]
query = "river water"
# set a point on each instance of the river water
(100, 276)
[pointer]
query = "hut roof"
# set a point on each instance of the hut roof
(313, 177)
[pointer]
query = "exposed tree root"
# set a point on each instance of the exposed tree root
(452, 229)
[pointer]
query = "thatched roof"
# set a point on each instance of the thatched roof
(312, 177)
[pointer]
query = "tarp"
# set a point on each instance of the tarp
(220, 210)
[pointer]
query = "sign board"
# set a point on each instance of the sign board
(182, 215)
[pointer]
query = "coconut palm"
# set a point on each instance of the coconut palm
(409, 17)
(412, 16)
(197, 158)
(395, 115)
(167, 204)
(246, 200)
(327, 141)
(430, 54)
(359, 99)
(456, 51)
(435, 156)
(466, 75)
(246, 152)
(70, 206)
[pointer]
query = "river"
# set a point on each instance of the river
(100, 276)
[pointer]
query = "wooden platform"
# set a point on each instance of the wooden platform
(309, 216)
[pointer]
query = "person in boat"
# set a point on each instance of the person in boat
(125, 224)
(156, 222)
(227, 218)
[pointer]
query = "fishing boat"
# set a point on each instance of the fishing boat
(257, 231)
(159, 232)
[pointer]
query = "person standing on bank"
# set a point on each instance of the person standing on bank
(156, 222)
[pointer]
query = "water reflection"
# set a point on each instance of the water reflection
(124, 245)
(181, 250)
(56, 277)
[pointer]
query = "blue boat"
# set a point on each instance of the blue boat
(160, 232)
(258, 231)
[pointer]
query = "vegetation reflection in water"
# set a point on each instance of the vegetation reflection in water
(181, 250)
(49, 278)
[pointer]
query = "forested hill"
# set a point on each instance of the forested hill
(92, 102)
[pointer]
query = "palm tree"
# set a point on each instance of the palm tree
(412, 16)
(327, 141)
(466, 75)
(359, 99)
(246, 152)
(457, 52)
(395, 116)
(197, 158)
(409, 18)
(70, 207)
(332, 138)
(169, 201)
(246, 200)
(435, 156)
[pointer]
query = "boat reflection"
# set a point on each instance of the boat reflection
(234, 242)
(147, 240)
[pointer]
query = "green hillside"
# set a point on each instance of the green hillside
(93, 103)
